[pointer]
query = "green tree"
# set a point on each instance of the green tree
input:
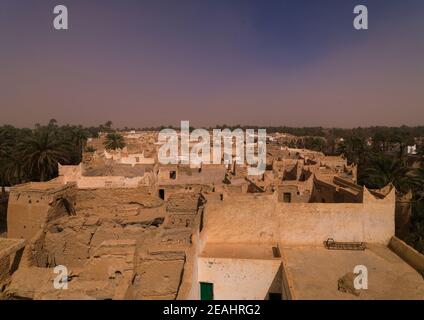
(114, 141)
(10, 162)
(315, 143)
(416, 234)
(108, 124)
(78, 138)
(417, 176)
(11, 171)
(420, 150)
(383, 170)
(402, 140)
(341, 148)
(42, 151)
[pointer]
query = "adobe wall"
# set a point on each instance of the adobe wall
(261, 219)
(300, 191)
(190, 287)
(111, 182)
(30, 208)
(244, 218)
(112, 201)
(331, 193)
(70, 173)
(207, 176)
(245, 279)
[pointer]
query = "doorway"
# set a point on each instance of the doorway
(162, 194)
(206, 291)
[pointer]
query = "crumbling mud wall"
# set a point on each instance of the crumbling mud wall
(150, 235)
(115, 202)
(10, 256)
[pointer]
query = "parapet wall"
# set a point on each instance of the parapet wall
(264, 220)
(408, 254)
(110, 182)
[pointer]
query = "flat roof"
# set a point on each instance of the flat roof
(313, 273)
(51, 185)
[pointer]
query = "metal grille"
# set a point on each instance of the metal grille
(330, 244)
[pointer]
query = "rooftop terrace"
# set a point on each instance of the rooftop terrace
(313, 273)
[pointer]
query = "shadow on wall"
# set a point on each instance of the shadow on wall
(3, 213)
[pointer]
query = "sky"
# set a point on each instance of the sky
(143, 63)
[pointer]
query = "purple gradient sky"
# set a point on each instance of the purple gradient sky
(157, 62)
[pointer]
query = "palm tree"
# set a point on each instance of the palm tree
(10, 169)
(380, 141)
(3, 172)
(114, 141)
(8, 136)
(416, 234)
(402, 140)
(420, 150)
(417, 176)
(107, 127)
(341, 148)
(42, 151)
(108, 124)
(383, 170)
(78, 139)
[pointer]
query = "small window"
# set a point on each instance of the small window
(287, 197)
(173, 175)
